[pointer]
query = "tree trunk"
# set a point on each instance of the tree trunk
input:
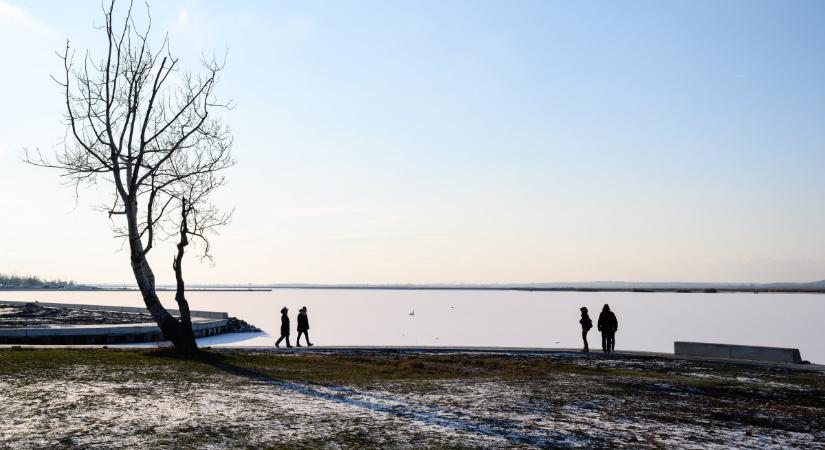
(178, 331)
(187, 335)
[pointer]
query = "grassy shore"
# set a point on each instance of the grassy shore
(104, 398)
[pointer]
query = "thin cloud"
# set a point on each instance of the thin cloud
(17, 16)
(182, 20)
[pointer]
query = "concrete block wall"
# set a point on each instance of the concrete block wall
(727, 351)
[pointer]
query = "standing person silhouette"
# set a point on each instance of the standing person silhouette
(608, 325)
(586, 324)
(303, 327)
(284, 328)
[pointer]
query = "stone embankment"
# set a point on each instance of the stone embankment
(72, 324)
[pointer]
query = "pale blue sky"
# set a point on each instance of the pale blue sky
(403, 141)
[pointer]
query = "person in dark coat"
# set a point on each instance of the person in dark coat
(608, 325)
(303, 327)
(284, 328)
(586, 324)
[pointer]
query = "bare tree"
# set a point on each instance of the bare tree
(138, 122)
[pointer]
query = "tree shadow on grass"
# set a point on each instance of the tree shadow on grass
(515, 433)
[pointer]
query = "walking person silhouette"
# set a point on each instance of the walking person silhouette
(608, 325)
(303, 327)
(284, 328)
(586, 324)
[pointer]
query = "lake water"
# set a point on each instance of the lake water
(647, 321)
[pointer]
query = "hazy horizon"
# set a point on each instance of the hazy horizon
(465, 142)
(627, 283)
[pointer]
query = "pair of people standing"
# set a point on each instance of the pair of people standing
(608, 325)
(303, 327)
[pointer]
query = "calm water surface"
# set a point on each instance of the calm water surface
(647, 321)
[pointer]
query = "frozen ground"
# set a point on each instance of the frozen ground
(239, 399)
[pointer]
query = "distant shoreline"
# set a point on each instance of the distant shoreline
(129, 289)
(564, 289)
(698, 290)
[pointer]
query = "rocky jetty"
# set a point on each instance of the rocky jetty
(235, 325)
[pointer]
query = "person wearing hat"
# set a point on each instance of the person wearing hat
(303, 327)
(284, 328)
(586, 324)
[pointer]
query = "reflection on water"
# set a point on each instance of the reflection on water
(647, 321)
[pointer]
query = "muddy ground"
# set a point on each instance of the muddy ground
(95, 398)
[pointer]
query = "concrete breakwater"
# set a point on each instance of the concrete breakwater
(744, 352)
(204, 323)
